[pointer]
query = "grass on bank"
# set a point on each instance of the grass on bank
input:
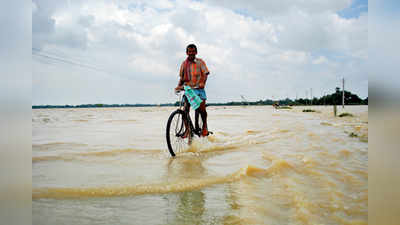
(284, 107)
(346, 114)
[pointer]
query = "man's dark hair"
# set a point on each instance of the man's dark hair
(191, 46)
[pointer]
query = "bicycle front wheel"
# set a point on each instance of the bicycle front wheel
(175, 132)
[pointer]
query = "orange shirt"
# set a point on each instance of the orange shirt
(197, 73)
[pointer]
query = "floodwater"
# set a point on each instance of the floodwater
(261, 166)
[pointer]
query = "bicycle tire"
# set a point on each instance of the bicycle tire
(174, 132)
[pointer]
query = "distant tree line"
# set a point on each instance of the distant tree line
(332, 99)
(99, 105)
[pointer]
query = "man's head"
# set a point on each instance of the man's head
(191, 51)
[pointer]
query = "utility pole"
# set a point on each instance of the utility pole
(306, 96)
(311, 96)
(343, 94)
(245, 100)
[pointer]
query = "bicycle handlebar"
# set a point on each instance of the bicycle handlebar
(177, 91)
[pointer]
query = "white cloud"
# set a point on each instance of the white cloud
(262, 8)
(34, 7)
(271, 48)
(150, 65)
(293, 57)
(320, 60)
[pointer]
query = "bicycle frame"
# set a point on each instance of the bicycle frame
(182, 102)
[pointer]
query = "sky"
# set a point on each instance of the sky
(128, 52)
(383, 50)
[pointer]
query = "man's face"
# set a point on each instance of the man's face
(191, 52)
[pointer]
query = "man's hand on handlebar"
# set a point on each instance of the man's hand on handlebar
(179, 88)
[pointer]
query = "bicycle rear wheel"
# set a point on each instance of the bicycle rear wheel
(175, 132)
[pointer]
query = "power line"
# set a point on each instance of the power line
(49, 58)
(55, 55)
(35, 52)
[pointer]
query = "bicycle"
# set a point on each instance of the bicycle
(176, 129)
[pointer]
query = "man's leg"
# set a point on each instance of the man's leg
(187, 109)
(203, 114)
(196, 119)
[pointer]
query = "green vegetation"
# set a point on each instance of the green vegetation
(334, 98)
(284, 107)
(346, 114)
(308, 110)
(362, 137)
(353, 134)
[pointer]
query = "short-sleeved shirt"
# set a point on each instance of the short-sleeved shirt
(198, 72)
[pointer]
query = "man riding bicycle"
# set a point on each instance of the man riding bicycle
(194, 72)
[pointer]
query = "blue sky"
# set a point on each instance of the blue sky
(357, 7)
(130, 51)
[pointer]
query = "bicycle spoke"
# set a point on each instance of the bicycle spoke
(176, 130)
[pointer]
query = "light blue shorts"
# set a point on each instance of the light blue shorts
(201, 93)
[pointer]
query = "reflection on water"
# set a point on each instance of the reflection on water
(190, 204)
(189, 208)
(261, 166)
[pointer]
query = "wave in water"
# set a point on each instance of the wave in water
(77, 156)
(214, 143)
(161, 188)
